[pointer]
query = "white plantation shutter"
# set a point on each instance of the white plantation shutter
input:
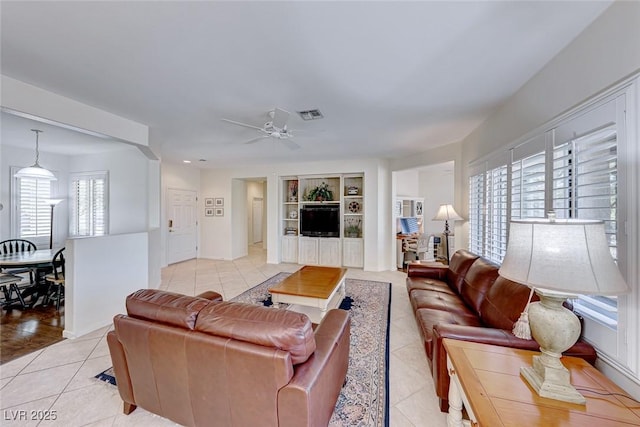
(585, 186)
(89, 204)
(528, 187)
(496, 213)
(32, 213)
(488, 199)
(476, 213)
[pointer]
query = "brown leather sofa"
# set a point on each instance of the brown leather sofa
(468, 300)
(200, 361)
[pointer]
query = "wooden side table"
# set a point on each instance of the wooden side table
(485, 380)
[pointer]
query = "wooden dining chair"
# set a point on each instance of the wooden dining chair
(13, 246)
(55, 279)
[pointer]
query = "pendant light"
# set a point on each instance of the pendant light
(35, 170)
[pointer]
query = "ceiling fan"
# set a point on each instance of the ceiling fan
(275, 128)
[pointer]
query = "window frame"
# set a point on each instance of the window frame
(40, 240)
(614, 344)
(73, 209)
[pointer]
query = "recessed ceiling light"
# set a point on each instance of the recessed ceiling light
(186, 161)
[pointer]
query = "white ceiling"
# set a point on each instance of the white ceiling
(392, 78)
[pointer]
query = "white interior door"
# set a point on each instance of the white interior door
(182, 222)
(257, 220)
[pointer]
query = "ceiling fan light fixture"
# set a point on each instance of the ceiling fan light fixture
(35, 170)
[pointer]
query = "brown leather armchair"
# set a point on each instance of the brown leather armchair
(201, 361)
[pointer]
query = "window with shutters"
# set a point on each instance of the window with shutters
(32, 215)
(496, 214)
(488, 213)
(571, 169)
(89, 204)
(585, 186)
(528, 187)
(476, 213)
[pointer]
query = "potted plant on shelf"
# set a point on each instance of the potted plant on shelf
(320, 194)
(352, 228)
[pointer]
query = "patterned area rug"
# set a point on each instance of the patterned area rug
(364, 400)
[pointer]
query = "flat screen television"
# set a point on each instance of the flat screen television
(320, 221)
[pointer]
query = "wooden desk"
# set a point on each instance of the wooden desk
(485, 379)
(311, 290)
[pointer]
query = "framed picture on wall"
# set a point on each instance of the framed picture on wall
(219, 202)
(208, 212)
(219, 211)
(208, 202)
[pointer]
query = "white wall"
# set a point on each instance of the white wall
(218, 234)
(408, 183)
(24, 98)
(437, 188)
(129, 188)
(103, 272)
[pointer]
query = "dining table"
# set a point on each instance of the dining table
(39, 260)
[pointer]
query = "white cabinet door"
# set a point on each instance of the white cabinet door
(308, 251)
(330, 252)
(290, 249)
(353, 253)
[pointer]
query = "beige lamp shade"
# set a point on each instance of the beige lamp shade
(570, 256)
(445, 213)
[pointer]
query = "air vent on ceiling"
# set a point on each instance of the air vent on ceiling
(310, 114)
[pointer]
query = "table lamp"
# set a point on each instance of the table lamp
(446, 213)
(560, 259)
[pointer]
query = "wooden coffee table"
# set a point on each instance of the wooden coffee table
(312, 290)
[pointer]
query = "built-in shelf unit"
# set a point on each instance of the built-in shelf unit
(335, 240)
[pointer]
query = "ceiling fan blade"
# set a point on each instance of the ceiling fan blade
(290, 144)
(242, 124)
(280, 118)
(254, 140)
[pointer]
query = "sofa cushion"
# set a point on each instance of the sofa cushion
(265, 326)
(427, 318)
(165, 307)
(458, 266)
(439, 301)
(503, 303)
(477, 281)
(428, 285)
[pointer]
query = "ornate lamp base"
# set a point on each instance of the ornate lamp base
(556, 329)
(551, 382)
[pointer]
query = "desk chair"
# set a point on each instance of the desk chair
(55, 280)
(424, 248)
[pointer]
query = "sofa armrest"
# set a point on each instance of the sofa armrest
(429, 270)
(121, 371)
(310, 397)
(491, 336)
(210, 295)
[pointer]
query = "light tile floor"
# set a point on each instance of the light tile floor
(59, 379)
